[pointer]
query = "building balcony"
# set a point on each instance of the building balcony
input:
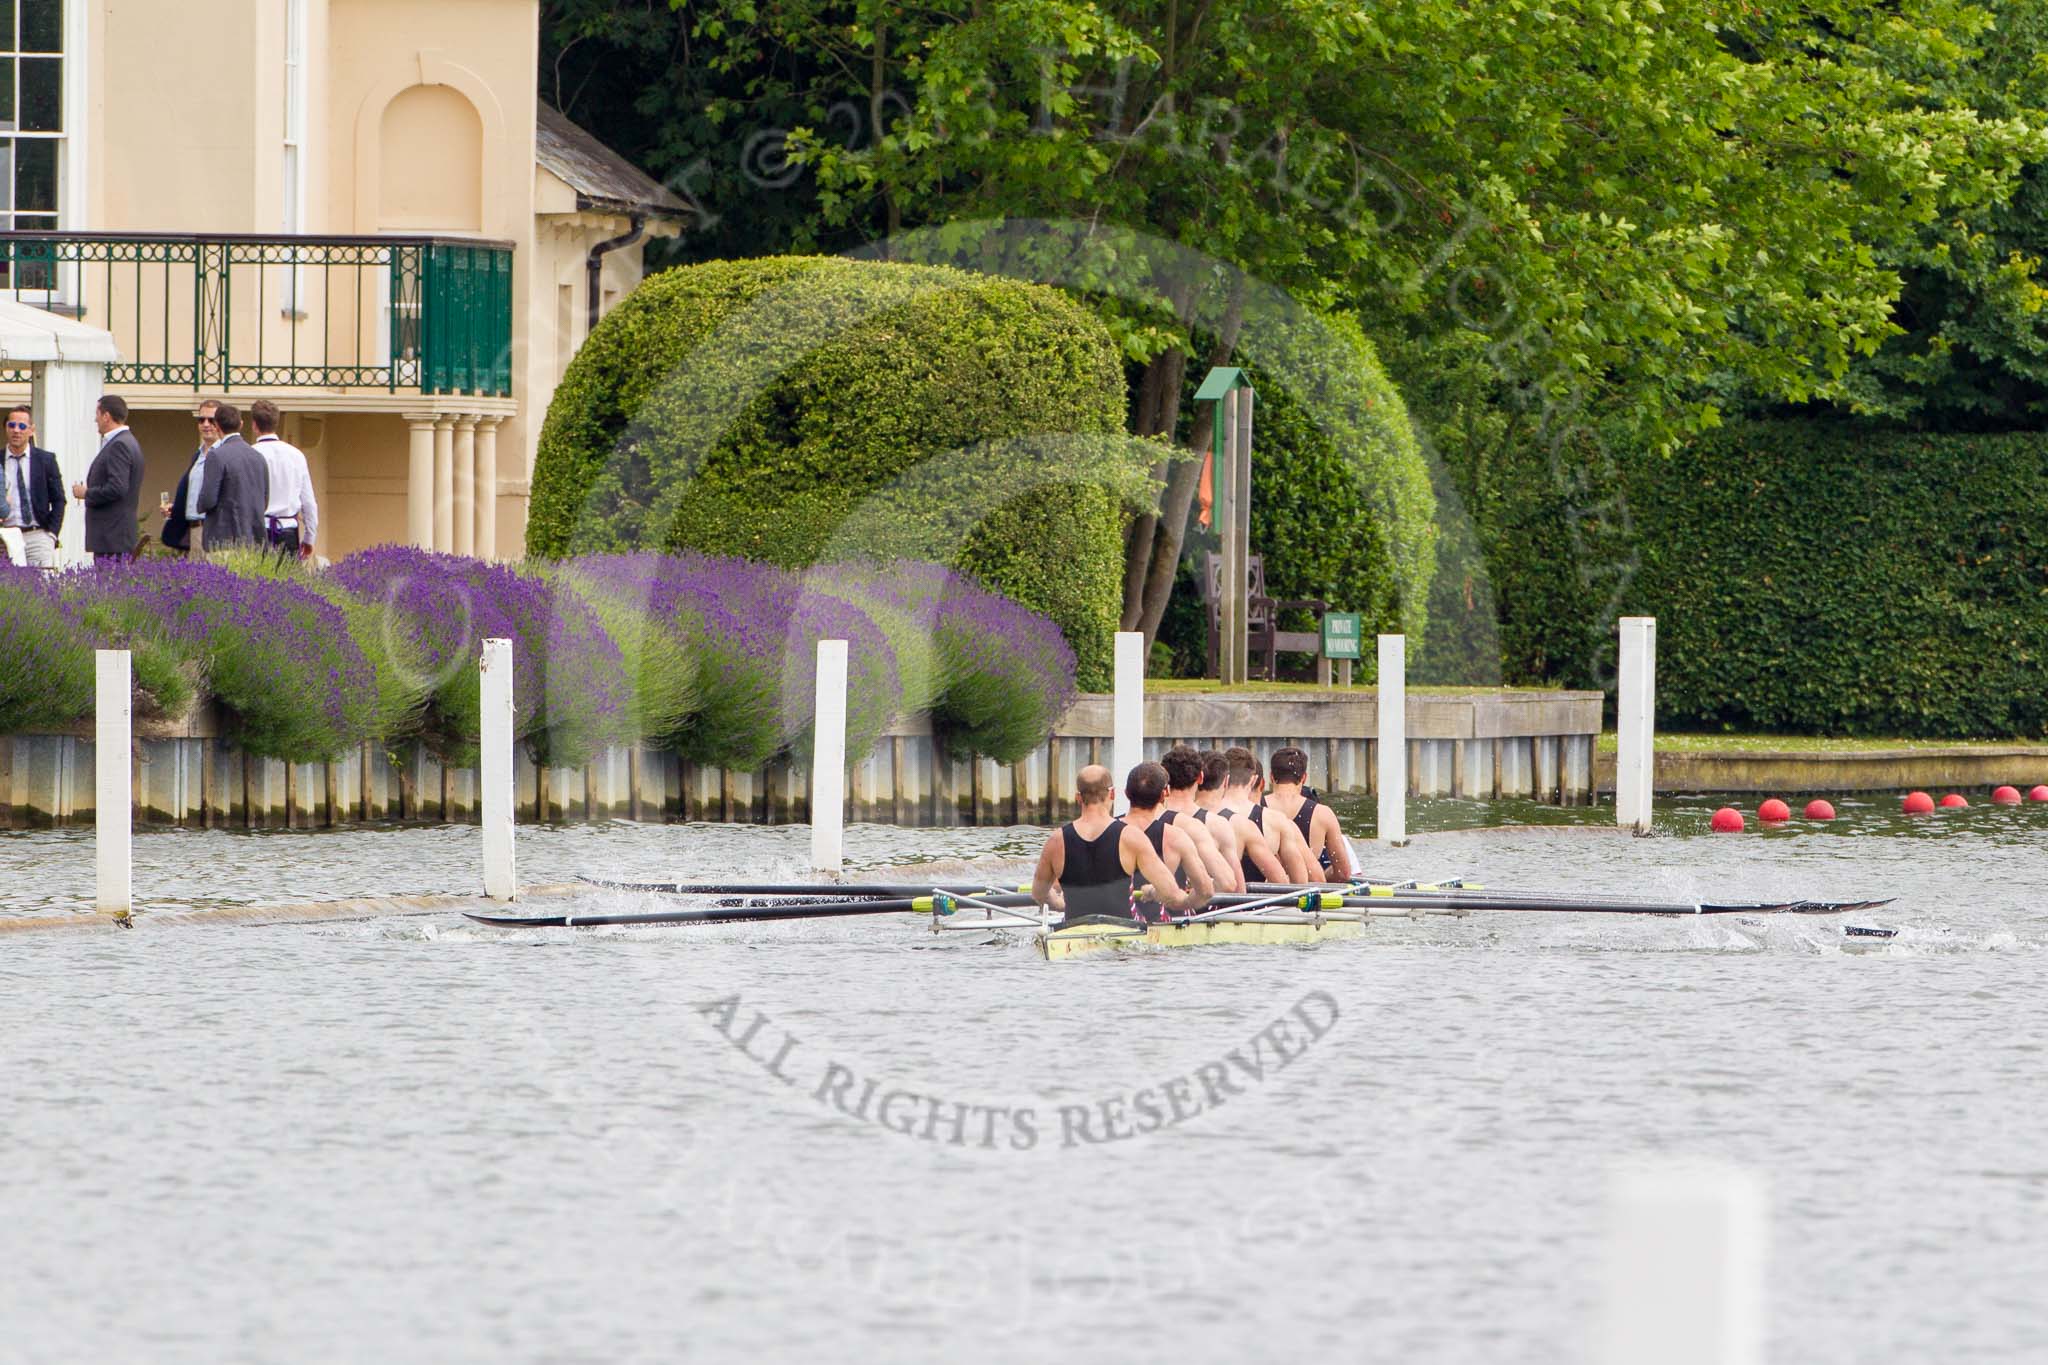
(218, 313)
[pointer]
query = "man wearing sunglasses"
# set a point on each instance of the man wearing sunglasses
(236, 488)
(32, 502)
(183, 520)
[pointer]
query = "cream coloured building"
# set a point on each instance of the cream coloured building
(356, 208)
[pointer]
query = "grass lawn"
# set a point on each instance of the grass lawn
(1802, 744)
(1206, 686)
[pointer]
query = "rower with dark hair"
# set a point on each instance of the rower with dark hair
(1320, 832)
(1146, 788)
(1086, 868)
(1183, 775)
(1259, 858)
(1209, 800)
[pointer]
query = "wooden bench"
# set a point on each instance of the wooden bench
(1262, 616)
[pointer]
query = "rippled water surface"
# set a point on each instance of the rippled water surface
(415, 1139)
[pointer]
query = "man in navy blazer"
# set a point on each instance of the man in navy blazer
(111, 485)
(34, 502)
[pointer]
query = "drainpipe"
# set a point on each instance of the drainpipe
(594, 286)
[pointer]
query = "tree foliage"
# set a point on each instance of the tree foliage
(1648, 211)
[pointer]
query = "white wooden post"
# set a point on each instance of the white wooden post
(1393, 764)
(495, 772)
(828, 761)
(114, 795)
(1685, 1267)
(1635, 710)
(1127, 730)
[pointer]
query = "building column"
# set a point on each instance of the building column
(487, 487)
(465, 484)
(419, 481)
(444, 483)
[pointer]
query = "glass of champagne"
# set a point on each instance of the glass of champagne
(163, 502)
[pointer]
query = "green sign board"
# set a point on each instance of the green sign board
(1342, 633)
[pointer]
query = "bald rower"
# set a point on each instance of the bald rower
(1172, 839)
(1320, 832)
(1183, 777)
(1089, 865)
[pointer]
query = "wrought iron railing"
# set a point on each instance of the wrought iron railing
(216, 313)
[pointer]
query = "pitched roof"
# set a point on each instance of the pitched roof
(603, 180)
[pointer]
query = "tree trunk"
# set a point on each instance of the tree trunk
(1154, 415)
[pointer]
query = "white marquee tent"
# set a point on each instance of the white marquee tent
(68, 361)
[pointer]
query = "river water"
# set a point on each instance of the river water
(413, 1139)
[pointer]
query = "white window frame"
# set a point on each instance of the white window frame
(292, 160)
(73, 181)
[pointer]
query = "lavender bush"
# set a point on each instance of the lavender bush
(46, 682)
(279, 658)
(753, 631)
(657, 665)
(395, 660)
(712, 658)
(567, 685)
(1002, 675)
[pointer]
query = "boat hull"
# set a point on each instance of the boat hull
(1110, 936)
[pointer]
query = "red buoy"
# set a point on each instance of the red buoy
(2039, 793)
(2005, 796)
(1727, 820)
(1918, 803)
(1773, 810)
(1819, 810)
(1953, 801)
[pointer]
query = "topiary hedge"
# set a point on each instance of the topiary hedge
(1831, 578)
(793, 410)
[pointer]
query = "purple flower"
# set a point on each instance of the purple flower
(567, 690)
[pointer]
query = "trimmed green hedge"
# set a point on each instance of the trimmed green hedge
(1806, 577)
(800, 409)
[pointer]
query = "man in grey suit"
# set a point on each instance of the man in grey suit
(112, 484)
(236, 488)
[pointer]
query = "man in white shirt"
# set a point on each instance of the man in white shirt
(292, 516)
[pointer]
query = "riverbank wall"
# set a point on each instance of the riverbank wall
(1781, 771)
(1537, 745)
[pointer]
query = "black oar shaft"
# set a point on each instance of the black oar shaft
(753, 915)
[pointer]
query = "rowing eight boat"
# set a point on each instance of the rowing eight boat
(1273, 915)
(1109, 933)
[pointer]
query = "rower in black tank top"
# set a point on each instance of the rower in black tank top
(1257, 815)
(1156, 832)
(1302, 818)
(1094, 881)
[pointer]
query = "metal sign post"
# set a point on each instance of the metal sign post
(1230, 453)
